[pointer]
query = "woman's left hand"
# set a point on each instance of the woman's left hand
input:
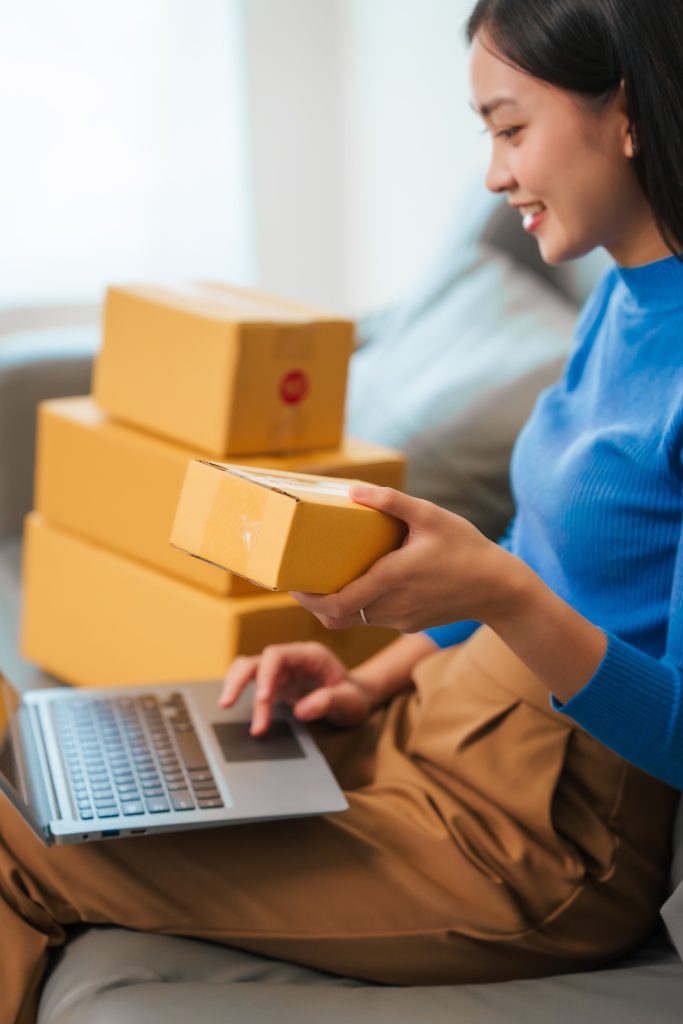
(445, 571)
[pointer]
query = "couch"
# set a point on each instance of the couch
(109, 974)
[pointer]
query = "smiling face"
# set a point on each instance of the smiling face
(565, 164)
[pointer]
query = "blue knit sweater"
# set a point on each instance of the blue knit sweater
(597, 477)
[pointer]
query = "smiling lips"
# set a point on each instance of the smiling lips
(532, 214)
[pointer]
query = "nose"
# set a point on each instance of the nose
(499, 177)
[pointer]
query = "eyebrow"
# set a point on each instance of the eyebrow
(486, 109)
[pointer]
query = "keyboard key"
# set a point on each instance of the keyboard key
(206, 794)
(132, 807)
(190, 750)
(103, 790)
(86, 813)
(207, 802)
(157, 804)
(182, 800)
(200, 775)
(107, 811)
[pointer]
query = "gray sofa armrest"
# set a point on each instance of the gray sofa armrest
(33, 366)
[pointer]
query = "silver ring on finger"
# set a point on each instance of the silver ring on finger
(363, 616)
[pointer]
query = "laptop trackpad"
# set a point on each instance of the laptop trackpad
(237, 744)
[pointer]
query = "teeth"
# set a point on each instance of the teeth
(532, 209)
(529, 213)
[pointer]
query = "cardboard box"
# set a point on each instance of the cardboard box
(224, 370)
(94, 618)
(284, 531)
(120, 487)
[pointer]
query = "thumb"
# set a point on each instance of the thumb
(386, 499)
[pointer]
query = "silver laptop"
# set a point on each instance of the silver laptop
(83, 765)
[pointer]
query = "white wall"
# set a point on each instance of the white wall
(363, 141)
(123, 152)
(295, 60)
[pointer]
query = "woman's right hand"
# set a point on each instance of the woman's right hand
(306, 676)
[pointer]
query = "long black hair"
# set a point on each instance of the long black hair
(589, 47)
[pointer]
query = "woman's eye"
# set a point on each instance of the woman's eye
(506, 133)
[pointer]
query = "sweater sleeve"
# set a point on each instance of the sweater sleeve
(634, 702)
(456, 632)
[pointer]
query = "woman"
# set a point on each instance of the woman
(490, 835)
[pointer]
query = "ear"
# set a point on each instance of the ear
(628, 133)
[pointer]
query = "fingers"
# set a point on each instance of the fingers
(281, 672)
(341, 610)
(238, 676)
(269, 672)
(315, 705)
(393, 502)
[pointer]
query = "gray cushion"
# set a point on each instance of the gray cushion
(105, 976)
(463, 464)
(481, 325)
(672, 911)
(37, 364)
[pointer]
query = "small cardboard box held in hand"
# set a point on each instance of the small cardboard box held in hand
(284, 531)
(224, 370)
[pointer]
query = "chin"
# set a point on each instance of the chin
(554, 252)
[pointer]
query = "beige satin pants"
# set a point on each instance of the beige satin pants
(487, 839)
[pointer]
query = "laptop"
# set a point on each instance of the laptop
(90, 764)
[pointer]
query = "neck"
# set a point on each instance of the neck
(643, 245)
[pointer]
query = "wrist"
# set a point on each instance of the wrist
(387, 673)
(513, 593)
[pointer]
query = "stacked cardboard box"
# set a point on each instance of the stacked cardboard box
(204, 372)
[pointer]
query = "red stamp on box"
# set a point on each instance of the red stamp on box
(294, 387)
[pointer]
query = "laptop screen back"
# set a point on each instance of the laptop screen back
(9, 768)
(12, 766)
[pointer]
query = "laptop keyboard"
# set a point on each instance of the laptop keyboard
(133, 755)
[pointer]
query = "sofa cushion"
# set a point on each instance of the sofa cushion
(463, 464)
(108, 975)
(35, 364)
(479, 324)
(672, 911)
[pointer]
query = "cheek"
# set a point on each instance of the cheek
(536, 168)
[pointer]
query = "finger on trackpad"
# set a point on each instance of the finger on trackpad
(237, 743)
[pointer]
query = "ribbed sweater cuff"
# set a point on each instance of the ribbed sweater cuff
(452, 634)
(626, 680)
